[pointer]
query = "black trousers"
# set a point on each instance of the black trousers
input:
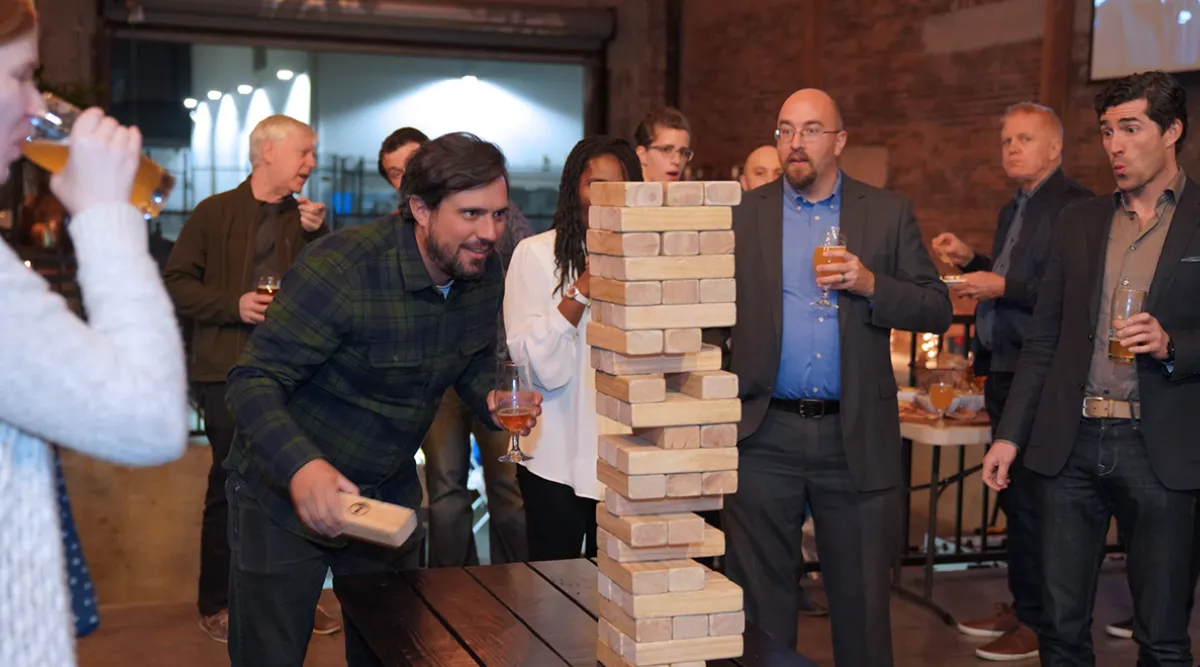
(788, 462)
(213, 595)
(277, 580)
(1109, 474)
(1020, 505)
(557, 521)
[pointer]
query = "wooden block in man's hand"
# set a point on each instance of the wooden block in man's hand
(376, 521)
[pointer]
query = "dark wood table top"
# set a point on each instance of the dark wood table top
(518, 615)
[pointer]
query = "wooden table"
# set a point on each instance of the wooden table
(518, 615)
(936, 437)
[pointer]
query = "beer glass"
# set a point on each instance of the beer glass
(1126, 303)
(832, 240)
(267, 285)
(514, 397)
(47, 148)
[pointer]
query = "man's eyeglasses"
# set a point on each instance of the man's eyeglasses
(669, 150)
(807, 134)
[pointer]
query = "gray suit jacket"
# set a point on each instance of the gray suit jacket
(880, 229)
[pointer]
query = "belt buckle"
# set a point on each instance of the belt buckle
(812, 409)
(1097, 412)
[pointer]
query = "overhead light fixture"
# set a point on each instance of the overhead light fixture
(285, 74)
(245, 89)
(190, 103)
(470, 78)
(214, 95)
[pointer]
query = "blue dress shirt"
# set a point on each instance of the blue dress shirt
(810, 355)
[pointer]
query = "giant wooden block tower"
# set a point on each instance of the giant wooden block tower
(661, 259)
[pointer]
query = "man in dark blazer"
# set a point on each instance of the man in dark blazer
(820, 422)
(1108, 437)
(1006, 288)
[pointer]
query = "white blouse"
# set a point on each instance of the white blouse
(563, 443)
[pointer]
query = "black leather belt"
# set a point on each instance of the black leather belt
(808, 408)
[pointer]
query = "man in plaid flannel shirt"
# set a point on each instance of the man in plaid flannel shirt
(338, 386)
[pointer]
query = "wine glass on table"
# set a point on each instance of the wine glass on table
(832, 239)
(514, 405)
(942, 391)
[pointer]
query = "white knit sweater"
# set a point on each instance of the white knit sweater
(113, 388)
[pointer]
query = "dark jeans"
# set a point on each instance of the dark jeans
(447, 449)
(557, 520)
(277, 580)
(213, 596)
(1109, 474)
(1020, 505)
(788, 462)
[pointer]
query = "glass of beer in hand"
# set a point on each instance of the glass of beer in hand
(514, 405)
(47, 148)
(1126, 303)
(267, 285)
(831, 240)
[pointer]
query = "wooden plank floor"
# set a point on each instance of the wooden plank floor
(168, 635)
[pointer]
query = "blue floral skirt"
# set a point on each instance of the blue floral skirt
(83, 596)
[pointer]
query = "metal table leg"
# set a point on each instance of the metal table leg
(926, 600)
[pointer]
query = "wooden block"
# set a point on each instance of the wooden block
(376, 521)
(602, 312)
(625, 342)
(680, 292)
(692, 626)
(719, 435)
(729, 623)
(652, 578)
(604, 586)
(716, 243)
(636, 531)
(637, 244)
(623, 506)
(636, 456)
(676, 410)
(632, 388)
(639, 630)
(685, 485)
(671, 437)
(666, 219)
(678, 244)
(703, 316)
(704, 384)
(682, 341)
(662, 268)
(634, 487)
(690, 663)
(722, 193)
(686, 579)
(646, 293)
(719, 595)
(717, 290)
(626, 194)
(615, 363)
(684, 528)
(618, 550)
(715, 483)
(608, 657)
(683, 193)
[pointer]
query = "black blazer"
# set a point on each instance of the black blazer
(880, 229)
(1014, 309)
(1044, 407)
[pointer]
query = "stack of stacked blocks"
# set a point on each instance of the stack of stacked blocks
(662, 268)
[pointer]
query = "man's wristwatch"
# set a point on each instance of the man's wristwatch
(572, 292)
(1170, 353)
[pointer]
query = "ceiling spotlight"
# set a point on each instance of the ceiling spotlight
(245, 89)
(214, 95)
(471, 78)
(190, 103)
(285, 74)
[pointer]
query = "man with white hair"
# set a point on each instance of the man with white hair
(231, 240)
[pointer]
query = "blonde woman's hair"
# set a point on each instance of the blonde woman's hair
(272, 128)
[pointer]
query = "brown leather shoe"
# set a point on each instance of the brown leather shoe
(216, 626)
(1004, 622)
(325, 623)
(1020, 644)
